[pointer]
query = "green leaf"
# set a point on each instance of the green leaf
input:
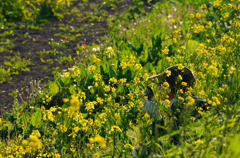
(131, 46)
(14, 93)
(58, 15)
(9, 117)
(163, 108)
(63, 46)
(25, 118)
(57, 35)
(65, 80)
(113, 73)
(7, 63)
(42, 60)
(53, 88)
(72, 90)
(78, 35)
(36, 118)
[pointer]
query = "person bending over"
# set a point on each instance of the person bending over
(175, 85)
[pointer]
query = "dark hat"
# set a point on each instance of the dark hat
(173, 79)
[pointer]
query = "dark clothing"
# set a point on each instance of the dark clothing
(199, 106)
(179, 116)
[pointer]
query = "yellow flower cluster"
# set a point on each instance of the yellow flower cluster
(96, 60)
(198, 28)
(168, 72)
(190, 101)
(34, 142)
(113, 80)
(165, 50)
(100, 140)
(129, 61)
(122, 81)
(115, 129)
(91, 68)
(129, 146)
(109, 51)
(90, 105)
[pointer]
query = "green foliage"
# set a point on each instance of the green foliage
(31, 12)
(90, 109)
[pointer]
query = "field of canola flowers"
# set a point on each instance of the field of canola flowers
(90, 111)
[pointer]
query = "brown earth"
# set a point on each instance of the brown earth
(43, 70)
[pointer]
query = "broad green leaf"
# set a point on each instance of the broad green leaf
(72, 90)
(65, 80)
(36, 118)
(53, 88)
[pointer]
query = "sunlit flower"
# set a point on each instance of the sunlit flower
(100, 140)
(136, 80)
(184, 84)
(113, 80)
(129, 146)
(190, 101)
(168, 72)
(198, 142)
(57, 156)
(75, 103)
(109, 51)
(107, 88)
(100, 100)
(122, 81)
(198, 15)
(180, 66)
(116, 128)
(172, 20)
(35, 142)
(92, 68)
(165, 50)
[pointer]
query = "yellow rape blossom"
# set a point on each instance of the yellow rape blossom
(91, 68)
(198, 142)
(100, 140)
(136, 80)
(75, 103)
(138, 67)
(122, 81)
(190, 101)
(25, 142)
(57, 156)
(96, 154)
(116, 129)
(90, 105)
(192, 16)
(172, 20)
(113, 80)
(168, 59)
(198, 15)
(129, 146)
(168, 72)
(100, 100)
(165, 50)
(107, 88)
(184, 83)
(35, 142)
(66, 74)
(97, 77)
(62, 128)
(180, 66)
(109, 51)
